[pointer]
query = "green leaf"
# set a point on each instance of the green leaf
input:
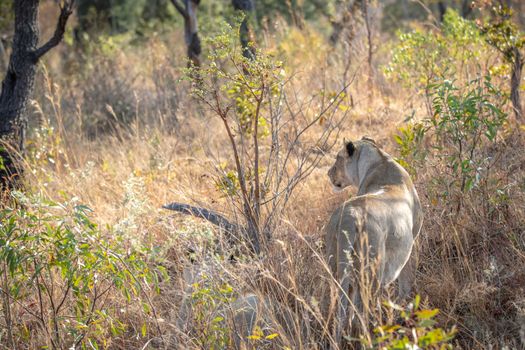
(272, 336)
(426, 314)
(417, 300)
(217, 319)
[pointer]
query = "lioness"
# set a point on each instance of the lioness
(379, 225)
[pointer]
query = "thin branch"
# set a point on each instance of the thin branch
(364, 9)
(7, 308)
(66, 9)
(64, 297)
(256, 156)
(92, 311)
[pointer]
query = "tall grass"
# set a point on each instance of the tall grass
(123, 136)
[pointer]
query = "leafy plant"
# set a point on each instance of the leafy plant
(58, 269)
(410, 149)
(423, 56)
(505, 36)
(210, 326)
(502, 33)
(417, 329)
(464, 120)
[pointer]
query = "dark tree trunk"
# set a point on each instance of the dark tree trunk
(17, 87)
(3, 56)
(466, 8)
(191, 32)
(517, 67)
(245, 33)
(442, 9)
(18, 83)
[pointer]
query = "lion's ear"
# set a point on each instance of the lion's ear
(350, 148)
(369, 139)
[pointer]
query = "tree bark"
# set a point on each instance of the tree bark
(191, 30)
(466, 8)
(442, 9)
(18, 84)
(3, 56)
(246, 36)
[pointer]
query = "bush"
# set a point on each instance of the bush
(465, 120)
(58, 272)
(417, 329)
(272, 149)
(423, 56)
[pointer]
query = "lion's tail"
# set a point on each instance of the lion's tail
(206, 214)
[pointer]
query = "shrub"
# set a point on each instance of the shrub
(250, 97)
(423, 56)
(465, 120)
(463, 115)
(209, 325)
(58, 271)
(417, 329)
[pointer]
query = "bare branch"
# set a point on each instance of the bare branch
(66, 9)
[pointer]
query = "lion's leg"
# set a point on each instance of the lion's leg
(344, 310)
(407, 276)
(400, 264)
(356, 310)
(344, 277)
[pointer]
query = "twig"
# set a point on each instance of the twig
(257, 194)
(7, 310)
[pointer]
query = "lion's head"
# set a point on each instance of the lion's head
(347, 169)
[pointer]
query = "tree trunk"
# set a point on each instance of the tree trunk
(191, 30)
(17, 87)
(245, 34)
(3, 56)
(515, 80)
(18, 84)
(466, 8)
(442, 9)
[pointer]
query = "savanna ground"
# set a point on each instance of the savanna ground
(117, 129)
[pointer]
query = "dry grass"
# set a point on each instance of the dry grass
(471, 263)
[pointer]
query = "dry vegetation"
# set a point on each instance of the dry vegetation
(118, 131)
